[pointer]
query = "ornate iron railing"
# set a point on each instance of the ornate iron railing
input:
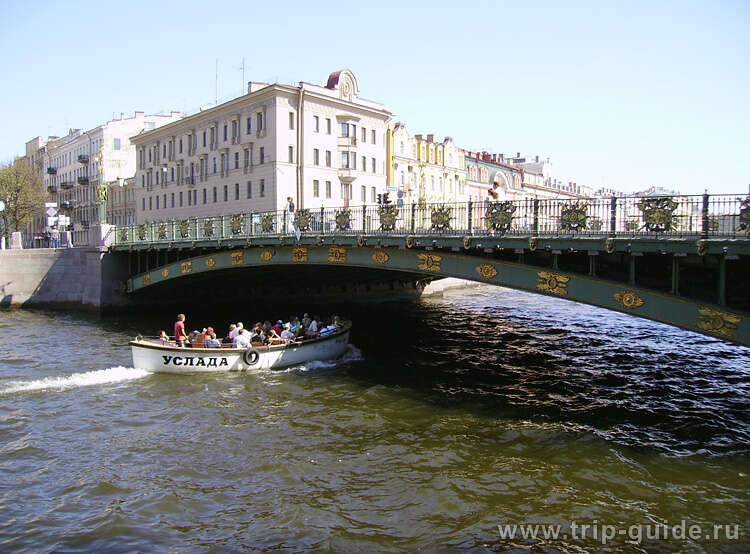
(706, 216)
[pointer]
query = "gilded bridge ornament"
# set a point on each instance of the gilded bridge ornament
(162, 231)
(387, 214)
(184, 228)
(381, 257)
(628, 299)
(267, 223)
(701, 247)
(238, 257)
(142, 231)
(208, 228)
(343, 219)
(658, 213)
(186, 267)
(101, 193)
(429, 262)
(718, 322)
(486, 271)
(336, 254)
(744, 215)
(533, 243)
(609, 246)
(553, 283)
(267, 254)
(573, 216)
(499, 216)
(124, 234)
(235, 224)
(299, 254)
(210, 262)
(165, 273)
(302, 220)
(146, 279)
(440, 218)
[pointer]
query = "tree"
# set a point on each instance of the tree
(21, 191)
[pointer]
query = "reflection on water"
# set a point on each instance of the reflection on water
(449, 417)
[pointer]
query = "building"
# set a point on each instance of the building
(422, 170)
(78, 164)
(35, 155)
(121, 203)
(323, 146)
(488, 177)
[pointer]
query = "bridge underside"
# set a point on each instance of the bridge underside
(673, 289)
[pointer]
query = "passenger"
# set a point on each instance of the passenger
(273, 337)
(231, 334)
(163, 338)
(266, 327)
(306, 320)
(277, 328)
(179, 330)
(200, 339)
(212, 342)
(237, 329)
(257, 335)
(242, 340)
(312, 329)
(286, 335)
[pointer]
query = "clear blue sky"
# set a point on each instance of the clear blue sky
(619, 94)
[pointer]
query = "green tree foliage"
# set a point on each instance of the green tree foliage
(21, 190)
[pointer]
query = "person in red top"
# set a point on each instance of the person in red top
(179, 330)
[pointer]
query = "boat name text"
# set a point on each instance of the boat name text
(194, 362)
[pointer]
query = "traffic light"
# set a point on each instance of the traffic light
(386, 200)
(380, 198)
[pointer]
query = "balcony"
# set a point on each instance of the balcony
(67, 185)
(52, 188)
(51, 171)
(83, 158)
(347, 142)
(83, 180)
(347, 175)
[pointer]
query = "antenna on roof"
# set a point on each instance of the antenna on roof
(217, 82)
(242, 67)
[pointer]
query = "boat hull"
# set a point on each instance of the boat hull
(167, 358)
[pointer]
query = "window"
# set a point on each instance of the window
(364, 194)
(204, 139)
(345, 159)
(316, 189)
(234, 130)
(143, 202)
(402, 146)
(402, 178)
(373, 165)
(117, 144)
(328, 189)
(236, 191)
(157, 201)
(316, 156)
(225, 132)
(291, 154)
(372, 195)
(149, 125)
(328, 126)
(157, 177)
(346, 191)
(259, 118)
(249, 189)
(214, 164)
(328, 158)
(344, 129)
(216, 196)
(316, 123)
(373, 136)
(353, 159)
(171, 176)
(291, 120)
(364, 163)
(226, 193)
(236, 160)
(262, 155)
(149, 155)
(172, 200)
(164, 151)
(262, 187)
(180, 199)
(246, 161)
(205, 195)
(364, 134)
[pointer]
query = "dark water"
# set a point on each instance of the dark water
(449, 417)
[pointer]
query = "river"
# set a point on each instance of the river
(448, 420)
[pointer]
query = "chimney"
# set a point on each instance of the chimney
(537, 159)
(502, 157)
(430, 138)
(518, 154)
(418, 137)
(252, 86)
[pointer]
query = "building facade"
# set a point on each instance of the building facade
(82, 166)
(490, 179)
(422, 170)
(323, 146)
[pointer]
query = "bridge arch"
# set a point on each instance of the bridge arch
(636, 301)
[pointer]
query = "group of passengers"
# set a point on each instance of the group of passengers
(295, 329)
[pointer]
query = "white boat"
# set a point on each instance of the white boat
(166, 357)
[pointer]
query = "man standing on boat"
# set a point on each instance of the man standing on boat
(179, 330)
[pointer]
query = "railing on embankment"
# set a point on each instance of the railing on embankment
(705, 216)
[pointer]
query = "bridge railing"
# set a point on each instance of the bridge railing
(642, 216)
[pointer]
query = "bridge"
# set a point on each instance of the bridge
(680, 260)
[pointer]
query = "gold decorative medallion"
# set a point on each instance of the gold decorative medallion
(628, 299)
(165, 272)
(429, 262)
(361, 240)
(267, 254)
(238, 256)
(210, 262)
(486, 271)
(299, 254)
(336, 254)
(467, 243)
(187, 267)
(410, 242)
(381, 257)
(533, 243)
(701, 247)
(553, 283)
(146, 279)
(609, 246)
(717, 322)
(319, 240)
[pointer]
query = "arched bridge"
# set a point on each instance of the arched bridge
(681, 260)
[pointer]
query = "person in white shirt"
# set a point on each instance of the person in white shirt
(286, 335)
(312, 329)
(242, 340)
(236, 331)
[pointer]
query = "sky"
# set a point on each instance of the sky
(625, 95)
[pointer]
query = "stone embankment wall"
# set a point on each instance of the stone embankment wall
(71, 278)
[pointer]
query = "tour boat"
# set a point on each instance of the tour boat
(160, 356)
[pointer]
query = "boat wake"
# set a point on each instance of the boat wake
(352, 354)
(98, 377)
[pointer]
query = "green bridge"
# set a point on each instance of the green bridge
(681, 260)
